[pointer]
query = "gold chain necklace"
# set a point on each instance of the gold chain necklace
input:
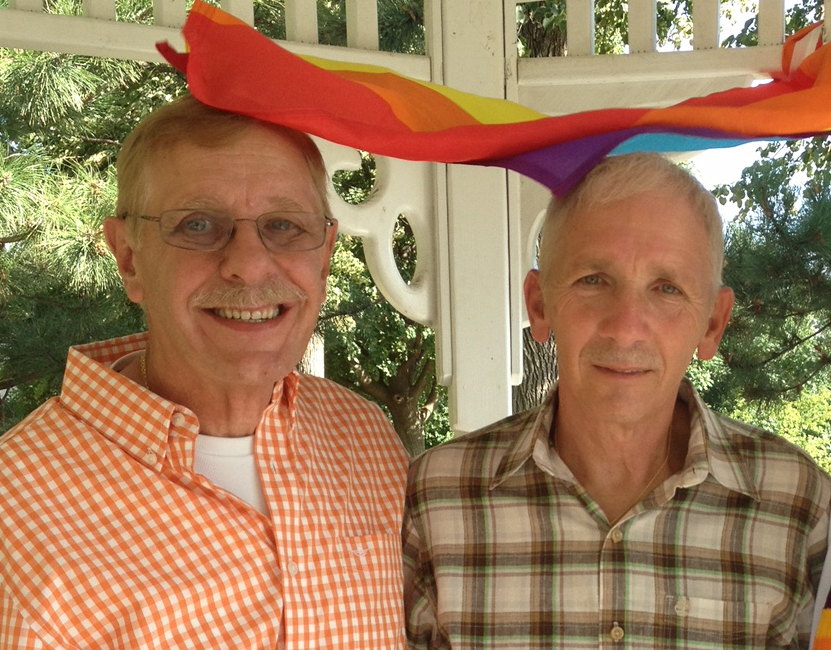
(143, 366)
(656, 474)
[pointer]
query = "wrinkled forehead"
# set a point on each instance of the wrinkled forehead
(256, 161)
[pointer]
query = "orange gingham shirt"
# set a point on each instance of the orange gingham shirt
(109, 540)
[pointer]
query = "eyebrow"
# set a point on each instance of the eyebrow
(276, 204)
(286, 204)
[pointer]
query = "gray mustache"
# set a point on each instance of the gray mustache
(614, 356)
(248, 297)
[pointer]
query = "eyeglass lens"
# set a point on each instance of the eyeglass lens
(211, 230)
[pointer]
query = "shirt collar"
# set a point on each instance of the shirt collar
(533, 428)
(711, 451)
(128, 414)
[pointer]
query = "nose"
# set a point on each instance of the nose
(245, 258)
(625, 320)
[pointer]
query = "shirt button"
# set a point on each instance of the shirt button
(617, 535)
(150, 458)
(616, 633)
(178, 419)
(293, 568)
(682, 607)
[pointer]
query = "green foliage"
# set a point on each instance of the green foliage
(401, 26)
(77, 108)
(797, 17)
(801, 417)
(779, 261)
(63, 118)
(365, 338)
(400, 23)
(539, 22)
(58, 282)
(774, 369)
(804, 420)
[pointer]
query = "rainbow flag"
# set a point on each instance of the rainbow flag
(822, 633)
(231, 66)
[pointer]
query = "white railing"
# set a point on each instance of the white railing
(361, 25)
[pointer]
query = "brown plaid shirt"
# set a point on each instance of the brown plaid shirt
(503, 549)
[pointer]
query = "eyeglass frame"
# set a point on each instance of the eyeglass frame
(328, 222)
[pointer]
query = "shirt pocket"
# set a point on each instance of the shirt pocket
(708, 623)
(365, 600)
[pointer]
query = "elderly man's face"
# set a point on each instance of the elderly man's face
(194, 327)
(629, 298)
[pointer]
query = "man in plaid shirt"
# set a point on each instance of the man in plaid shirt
(189, 489)
(622, 512)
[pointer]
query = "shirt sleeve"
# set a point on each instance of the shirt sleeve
(821, 628)
(419, 591)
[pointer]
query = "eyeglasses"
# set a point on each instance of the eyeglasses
(210, 230)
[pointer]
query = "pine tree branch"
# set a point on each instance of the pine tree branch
(793, 346)
(13, 239)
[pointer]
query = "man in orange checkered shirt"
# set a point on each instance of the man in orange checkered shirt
(189, 489)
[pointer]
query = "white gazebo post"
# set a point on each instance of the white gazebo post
(470, 56)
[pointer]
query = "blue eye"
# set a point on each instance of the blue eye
(195, 229)
(196, 224)
(670, 289)
(279, 225)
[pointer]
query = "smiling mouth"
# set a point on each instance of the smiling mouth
(624, 371)
(249, 315)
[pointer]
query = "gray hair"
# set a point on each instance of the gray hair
(620, 177)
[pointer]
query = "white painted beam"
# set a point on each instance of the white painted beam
(771, 22)
(169, 13)
(85, 36)
(362, 24)
(301, 21)
(705, 15)
(580, 27)
(642, 22)
(473, 54)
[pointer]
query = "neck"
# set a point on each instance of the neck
(620, 466)
(225, 408)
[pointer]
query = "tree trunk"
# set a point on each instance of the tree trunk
(539, 372)
(312, 362)
(406, 420)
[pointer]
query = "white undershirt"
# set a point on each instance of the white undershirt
(229, 463)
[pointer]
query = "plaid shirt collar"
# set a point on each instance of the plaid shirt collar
(143, 430)
(711, 450)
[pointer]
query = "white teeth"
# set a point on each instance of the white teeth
(256, 315)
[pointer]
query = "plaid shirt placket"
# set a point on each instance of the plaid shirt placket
(706, 561)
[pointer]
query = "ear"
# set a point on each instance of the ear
(115, 230)
(717, 324)
(329, 247)
(535, 304)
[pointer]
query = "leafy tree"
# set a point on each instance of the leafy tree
(63, 118)
(779, 265)
(372, 348)
(58, 283)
